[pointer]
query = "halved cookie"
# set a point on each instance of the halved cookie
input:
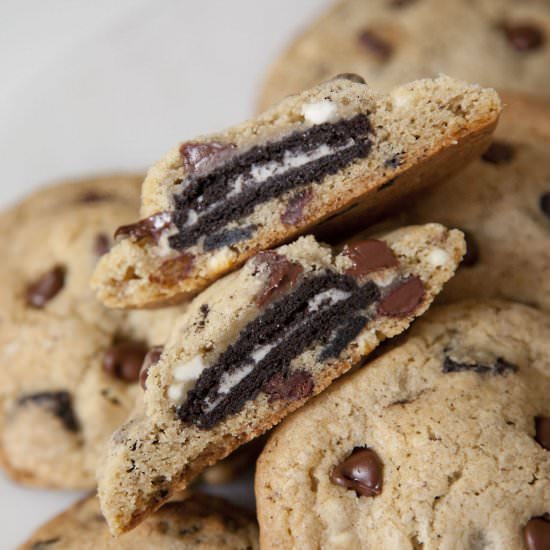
(339, 148)
(257, 345)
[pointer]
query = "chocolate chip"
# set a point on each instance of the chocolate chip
(297, 385)
(228, 237)
(544, 203)
(124, 360)
(499, 152)
(369, 255)
(149, 228)
(102, 244)
(498, 367)
(58, 403)
(375, 44)
(524, 37)
(93, 196)
(353, 77)
(542, 428)
(194, 154)
(403, 299)
(173, 270)
(294, 212)
(537, 534)
(471, 257)
(362, 472)
(41, 291)
(152, 358)
(282, 275)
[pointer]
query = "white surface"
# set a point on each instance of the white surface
(107, 85)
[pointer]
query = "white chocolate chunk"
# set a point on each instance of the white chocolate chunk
(189, 370)
(438, 257)
(319, 112)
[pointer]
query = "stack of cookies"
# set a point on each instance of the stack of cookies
(267, 276)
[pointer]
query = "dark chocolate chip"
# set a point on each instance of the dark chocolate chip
(471, 256)
(282, 275)
(542, 427)
(353, 77)
(149, 228)
(228, 237)
(499, 152)
(524, 37)
(124, 360)
(152, 358)
(362, 472)
(369, 255)
(102, 244)
(375, 44)
(195, 154)
(297, 385)
(44, 289)
(59, 403)
(93, 196)
(173, 270)
(537, 534)
(499, 367)
(544, 203)
(294, 212)
(403, 299)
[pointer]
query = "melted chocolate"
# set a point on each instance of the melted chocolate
(292, 387)
(149, 228)
(294, 212)
(375, 44)
(47, 287)
(212, 190)
(361, 472)
(537, 534)
(499, 367)
(196, 155)
(369, 255)
(542, 431)
(403, 299)
(524, 37)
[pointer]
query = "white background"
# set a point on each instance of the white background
(87, 87)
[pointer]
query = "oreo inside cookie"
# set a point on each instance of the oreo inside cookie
(327, 309)
(229, 189)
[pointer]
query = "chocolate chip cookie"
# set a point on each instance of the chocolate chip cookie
(257, 345)
(502, 203)
(338, 148)
(198, 523)
(442, 442)
(70, 367)
(499, 43)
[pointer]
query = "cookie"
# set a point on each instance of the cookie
(340, 147)
(499, 43)
(198, 523)
(257, 345)
(442, 442)
(70, 367)
(502, 203)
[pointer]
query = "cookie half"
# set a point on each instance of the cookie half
(442, 442)
(198, 523)
(257, 345)
(499, 43)
(338, 148)
(502, 203)
(70, 366)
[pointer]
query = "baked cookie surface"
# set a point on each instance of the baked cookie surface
(198, 523)
(338, 148)
(502, 203)
(442, 442)
(500, 43)
(69, 366)
(257, 345)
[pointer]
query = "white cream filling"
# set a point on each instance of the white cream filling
(230, 379)
(185, 375)
(438, 257)
(333, 295)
